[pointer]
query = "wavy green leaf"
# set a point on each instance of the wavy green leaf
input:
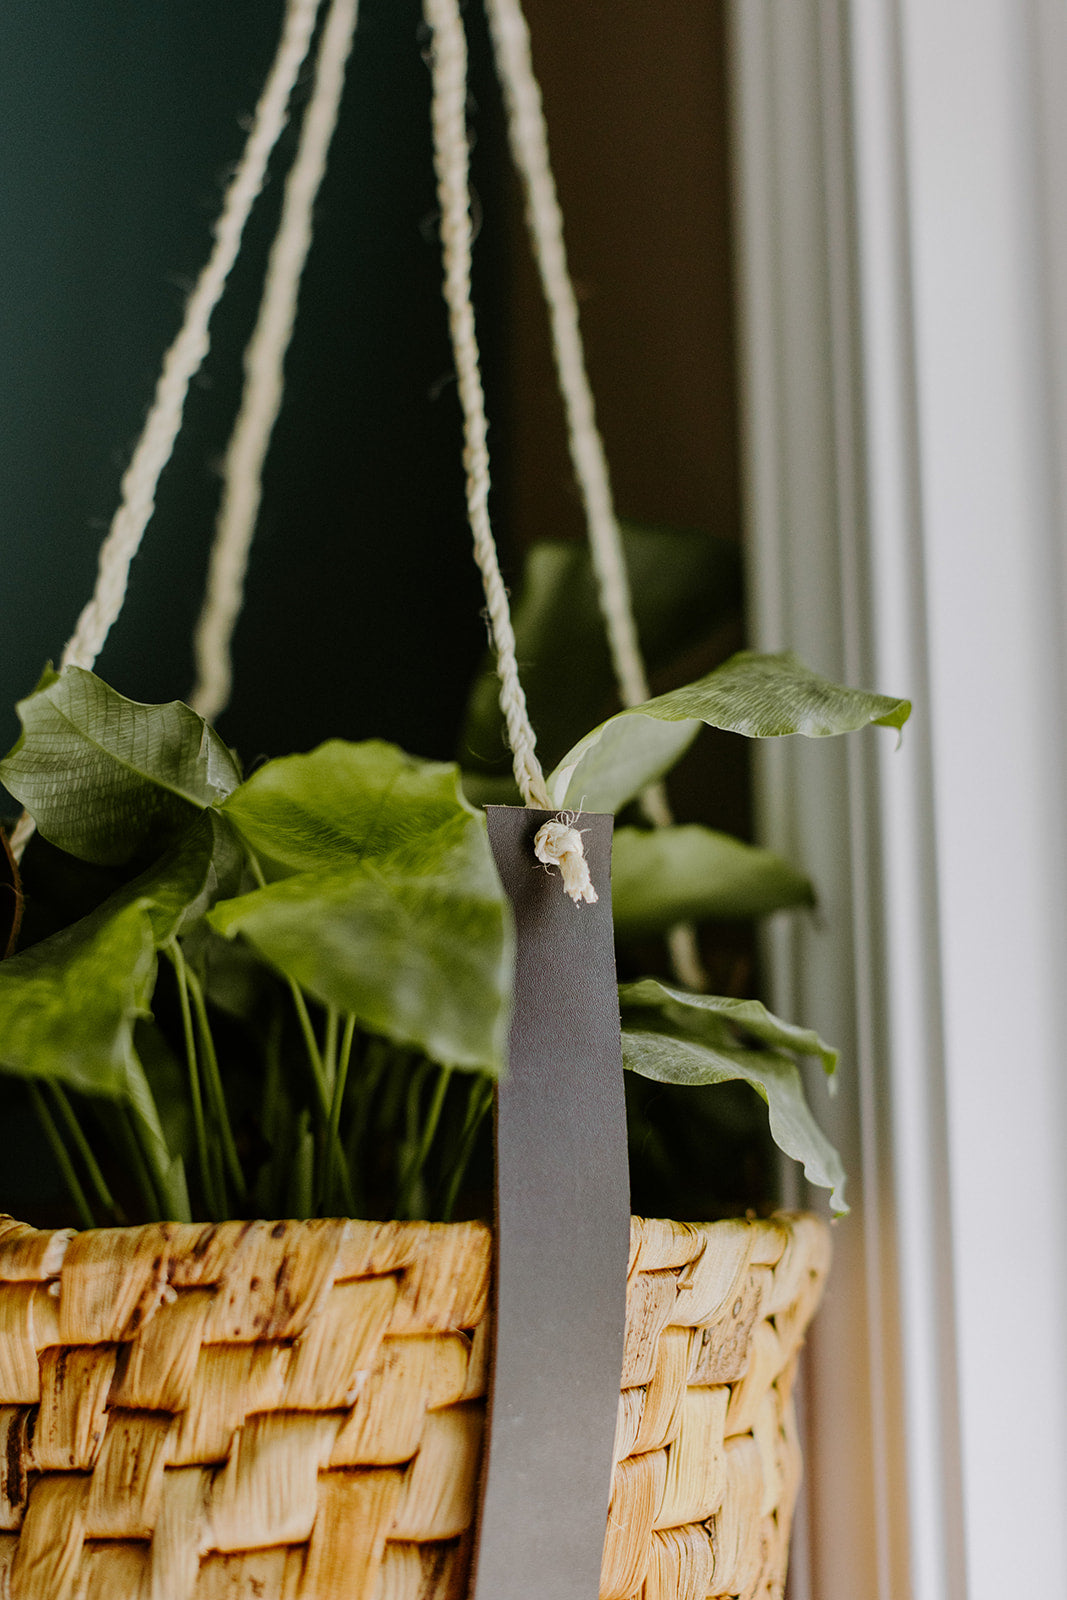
(168, 1080)
(68, 1009)
(672, 1036)
(718, 1016)
(611, 765)
(760, 696)
(768, 697)
(346, 803)
(683, 874)
(684, 585)
(668, 1058)
(70, 1005)
(385, 900)
(106, 778)
(204, 863)
(160, 1130)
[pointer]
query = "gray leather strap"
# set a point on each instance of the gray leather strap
(563, 1227)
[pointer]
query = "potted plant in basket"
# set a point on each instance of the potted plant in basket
(291, 999)
(335, 919)
(286, 995)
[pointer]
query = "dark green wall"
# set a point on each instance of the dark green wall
(119, 124)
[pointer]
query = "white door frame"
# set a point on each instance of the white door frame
(901, 198)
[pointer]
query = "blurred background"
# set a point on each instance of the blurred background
(121, 124)
(363, 606)
(821, 250)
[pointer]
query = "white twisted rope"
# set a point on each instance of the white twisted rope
(153, 449)
(528, 136)
(451, 161)
(190, 347)
(264, 365)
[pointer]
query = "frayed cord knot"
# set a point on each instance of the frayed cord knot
(559, 844)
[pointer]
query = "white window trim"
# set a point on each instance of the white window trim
(901, 199)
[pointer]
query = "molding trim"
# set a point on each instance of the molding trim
(901, 203)
(806, 494)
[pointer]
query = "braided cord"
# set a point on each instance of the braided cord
(186, 354)
(264, 364)
(528, 136)
(452, 162)
(529, 145)
(181, 363)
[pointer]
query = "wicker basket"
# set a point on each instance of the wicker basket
(295, 1410)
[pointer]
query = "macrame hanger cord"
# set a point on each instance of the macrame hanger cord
(187, 353)
(562, 1202)
(558, 842)
(528, 137)
(451, 161)
(264, 366)
(183, 359)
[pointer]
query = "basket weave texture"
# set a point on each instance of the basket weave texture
(294, 1411)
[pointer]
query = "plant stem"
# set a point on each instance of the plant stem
(275, 1103)
(214, 1202)
(406, 1155)
(334, 1161)
(151, 1190)
(59, 1150)
(311, 1044)
(322, 1068)
(323, 1088)
(213, 1083)
(300, 1192)
(318, 1066)
(375, 1059)
(429, 1129)
(162, 1175)
(387, 1112)
(81, 1144)
(479, 1102)
(329, 1048)
(276, 1119)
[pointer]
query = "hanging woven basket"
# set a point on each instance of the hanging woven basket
(296, 1410)
(283, 1410)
